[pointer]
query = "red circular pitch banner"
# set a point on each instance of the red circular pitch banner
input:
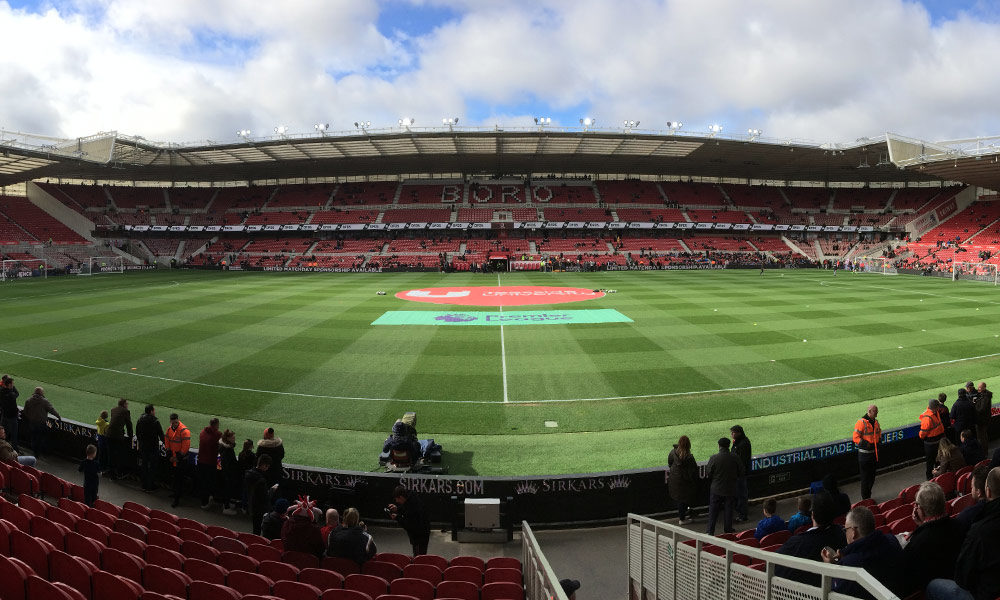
(512, 295)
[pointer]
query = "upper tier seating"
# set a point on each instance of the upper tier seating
(448, 193)
(864, 198)
(753, 196)
(382, 192)
(321, 217)
(629, 192)
(576, 214)
(311, 196)
(663, 215)
(692, 194)
(717, 216)
(475, 215)
(807, 197)
(496, 194)
(965, 224)
(277, 218)
(417, 215)
(556, 192)
(130, 198)
(241, 198)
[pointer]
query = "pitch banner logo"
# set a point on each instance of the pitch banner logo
(514, 295)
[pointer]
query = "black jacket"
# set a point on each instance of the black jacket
(351, 542)
(963, 415)
(724, 471)
(412, 517)
(931, 553)
(8, 401)
(148, 433)
(808, 544)
(879, 554)
(741, 449)
(256, 486)
(978, 565)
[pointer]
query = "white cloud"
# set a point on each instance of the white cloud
(186, 70)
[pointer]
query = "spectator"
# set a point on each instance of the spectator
(208, 460)
(809, 543)
(300, 532)
(9, 455)
(978, 493)
(995, 459)
(120, 444)
(274, 521)
(177, 441)
(255, 488)
(273, 447)
(724, 471)
(771, 521)
(841, 501)
(8, 408)
(933, 546)
(332, 522)
(803, 516)
(352, 540)
(230, 477)
(931, 432)
(36, 416)
(876, 552)
(963, 412)
(949, 431)
(91, 470)
(949, 458)
(408, 511)
(148, 436)
(984, 406)
(247, 459)
(972, 451)
(569, 586)
(103, 448)
(741, 449)
(682, 482)
(977, 570)
(867, 434)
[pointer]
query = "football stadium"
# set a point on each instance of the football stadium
(530, 346)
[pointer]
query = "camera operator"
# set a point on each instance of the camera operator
(409, 512)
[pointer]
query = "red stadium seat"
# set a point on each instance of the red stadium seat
(79, 509)
(233, 561)
(94, 531)
(107, 507)
(32, 505)
(74, 571)
(746, 533)
(54, 533)
(163, 515)
(17, 516)
(400, 560)
(52, 486)
(335, 594)
(203, 590)
(385, 570)
(156, 524)
(198, 550)
(902, 525)
(888, 505)
(431, 559)
(194, 535)
(36, 587)
(502, 590)
(163, 540)
(963, 484)
(100, 517)
(84, 547)
(113, 587)
(295, 590)
(910, 493)
(428, 573)
(122, 563)
(33, 551)
(263, 552)
(372, 585)
(191, 524)
(134, 516)
(166, 581)
(61, 516)
(302, 560)
(22, 482)
(344, 566)
(13, 578)
(463, 573)
(947, 483)
(778, 537)
(125, 543)
(201, 570)
(164, 557)
(418, 588)
(228, 544)
(506, 562)
(899, 512)
(324, 579)
(497, 574)
(249, 538)
(278, 571)
(135, 507)
(458, 589)
(960, 503)
(250, 583)
(219, 531)
(750, 541)
(468, 561)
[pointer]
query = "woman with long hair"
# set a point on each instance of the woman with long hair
(948, 458)
(682, 481)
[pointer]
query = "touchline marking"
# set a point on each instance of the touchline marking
(639, 397)
(503, 351)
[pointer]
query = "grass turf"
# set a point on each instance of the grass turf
(704, 350)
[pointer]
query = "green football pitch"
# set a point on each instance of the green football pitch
(794, 356)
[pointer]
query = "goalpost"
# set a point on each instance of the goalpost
(974, 272)
(14, 269)
(103, 265)
(880, 265)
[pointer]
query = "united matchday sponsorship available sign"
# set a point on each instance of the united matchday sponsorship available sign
(509, 295)
(534, 317)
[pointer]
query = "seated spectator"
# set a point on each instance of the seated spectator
(9, 455)
(971, 513)
(332, 522)
(876, 552)
(933, 546)
(803, 517)
(949, 458)
(274, 521)
(841, 500)
(771, 521)
(351, 540)
(995, 459)
(972, 451)
(811, 542)
(300, 532)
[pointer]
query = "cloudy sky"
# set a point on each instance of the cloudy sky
(194, 70)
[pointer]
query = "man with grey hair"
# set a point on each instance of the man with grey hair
(868, 548)
(934, 544)
(977, 570)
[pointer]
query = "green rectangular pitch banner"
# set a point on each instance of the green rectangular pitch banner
(525, 317)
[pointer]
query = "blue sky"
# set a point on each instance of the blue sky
(191, 70)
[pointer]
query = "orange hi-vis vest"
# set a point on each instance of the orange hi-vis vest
(931, 428)
(866, 436)
(177, 441)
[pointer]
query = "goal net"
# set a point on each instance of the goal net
(14, 269)
(103, 265)
(974, 271)
(879, 265)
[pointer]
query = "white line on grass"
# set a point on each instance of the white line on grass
(503, 350)
(639, 397)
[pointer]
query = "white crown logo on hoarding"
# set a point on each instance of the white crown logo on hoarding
(526, 487)
(622, 481)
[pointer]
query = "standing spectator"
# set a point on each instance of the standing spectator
(274, 520)
(723, 472)
(968, 516)
(230, 476)
(148, 436)
(949, 431)
(803, 517)
(931, 432)
(208, 460)
(977, 569)
(841, 501)
(876, 552)
(255, 488)
(963, 412)
(300, 533)
(771, 521)
(949, 458)
(91, 470)
(177, 441)
(408, 511)
(569, 586)
(934, 544)
(36, 415)
(682, 481)
(120, 438)
(867, 433)
(808, 544)
(9, 455)
(332, 522)
(741, 450)
(103, 448)
(972, 451)
(272, 446)
(8, 408)
(984, 407)
(352, 540)
(247, 459)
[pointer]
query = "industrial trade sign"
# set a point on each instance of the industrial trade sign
(512, 295)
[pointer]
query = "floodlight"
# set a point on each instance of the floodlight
(674, 125)
(629, 124)
(406, 122)
(543, 121)
(281, 130)
(754, 133)
(243, 133)
(322, 127)
(362, 125)
(586, 121)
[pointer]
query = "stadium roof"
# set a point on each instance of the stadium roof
(491, 152)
